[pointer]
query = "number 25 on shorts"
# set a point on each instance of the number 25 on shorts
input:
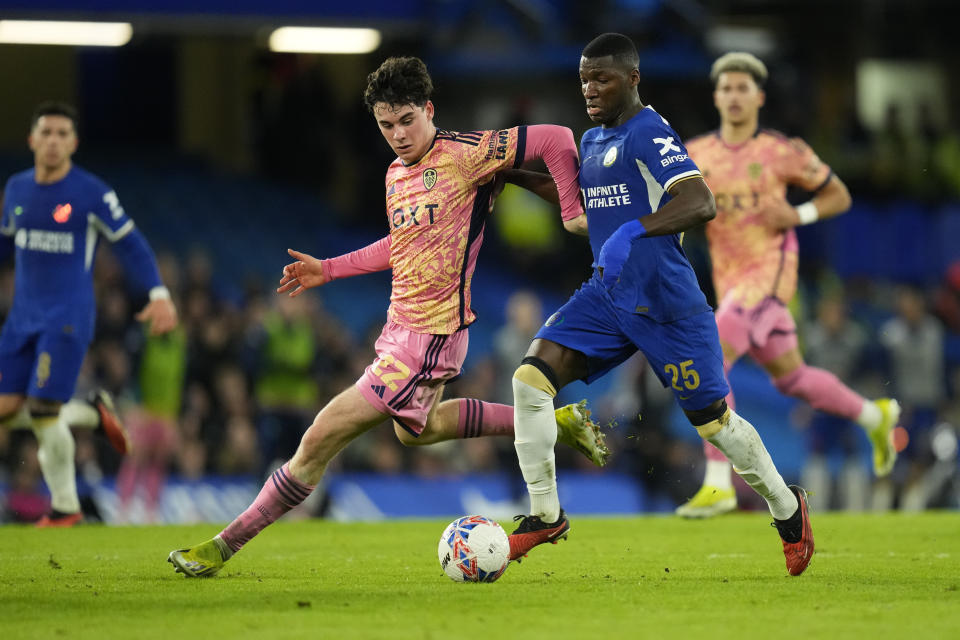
(685, 373)
(390, 379)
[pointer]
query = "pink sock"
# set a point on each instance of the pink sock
(155, 477)
(126, 482)
(280, 493)
(822, 390)
(479, 418)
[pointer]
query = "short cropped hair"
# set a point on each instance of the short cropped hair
(54, 108)
(399, 81)
(739, 61)
(619, 46)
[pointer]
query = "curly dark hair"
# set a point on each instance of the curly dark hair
(399, 81)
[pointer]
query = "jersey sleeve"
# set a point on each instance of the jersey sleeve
(110, 218)
(483, 153)
(8, 225)
(800, 166)
(658, 147)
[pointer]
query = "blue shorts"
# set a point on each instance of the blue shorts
(40, 364)
(685, 354)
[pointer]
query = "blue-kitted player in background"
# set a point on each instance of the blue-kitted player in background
(53, 217)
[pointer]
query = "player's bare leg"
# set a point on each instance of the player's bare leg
(824, 391)
(343, 419)
(471, 418)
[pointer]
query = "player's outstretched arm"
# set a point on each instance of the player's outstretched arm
(308, 272)
(555, 145)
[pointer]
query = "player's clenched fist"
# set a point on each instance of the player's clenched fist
(301, 275)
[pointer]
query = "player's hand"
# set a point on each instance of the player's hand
(499, 182)
(161, 315)
(780, 214)
(616, 250)
(305, 273)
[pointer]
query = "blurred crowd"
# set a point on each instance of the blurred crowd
(231, 392)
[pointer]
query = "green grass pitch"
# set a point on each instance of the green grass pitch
(873, 576)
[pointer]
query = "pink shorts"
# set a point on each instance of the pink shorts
(766, 331)
(410, 370)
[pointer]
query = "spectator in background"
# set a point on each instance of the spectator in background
(524, 316)
(285, 386)
(914, 342)
(837, 344)
(153, 422)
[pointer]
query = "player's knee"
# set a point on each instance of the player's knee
(534, 383)
(406, 438)
(42, 409)
(791, 384)
(710, 420)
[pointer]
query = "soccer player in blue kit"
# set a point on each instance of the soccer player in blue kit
(53, 216)
(641, 192)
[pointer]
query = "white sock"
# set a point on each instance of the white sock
(718, 474)
(20, 420)
(535, 435)
(870, 416)
(56, 462)
(741, 443)
(80, 413)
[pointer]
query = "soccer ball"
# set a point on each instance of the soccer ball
(474, 549)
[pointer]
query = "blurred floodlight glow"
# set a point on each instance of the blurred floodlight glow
(324, 40)
(84, 34)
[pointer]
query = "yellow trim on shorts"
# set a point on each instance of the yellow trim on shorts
(529, 374)
(713, 428)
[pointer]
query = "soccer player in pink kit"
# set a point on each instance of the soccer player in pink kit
(753, 248)
(438, 194)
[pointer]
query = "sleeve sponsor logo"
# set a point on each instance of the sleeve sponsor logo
(666, 145)
(497, 146)
(669, 160)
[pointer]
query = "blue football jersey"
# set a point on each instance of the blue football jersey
(56, 228)
(624, 174)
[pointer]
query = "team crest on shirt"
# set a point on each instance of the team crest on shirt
(754, 169)
(429, 178)
(610, 156)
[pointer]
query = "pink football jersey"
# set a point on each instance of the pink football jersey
(436, 210)
(752, 260)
